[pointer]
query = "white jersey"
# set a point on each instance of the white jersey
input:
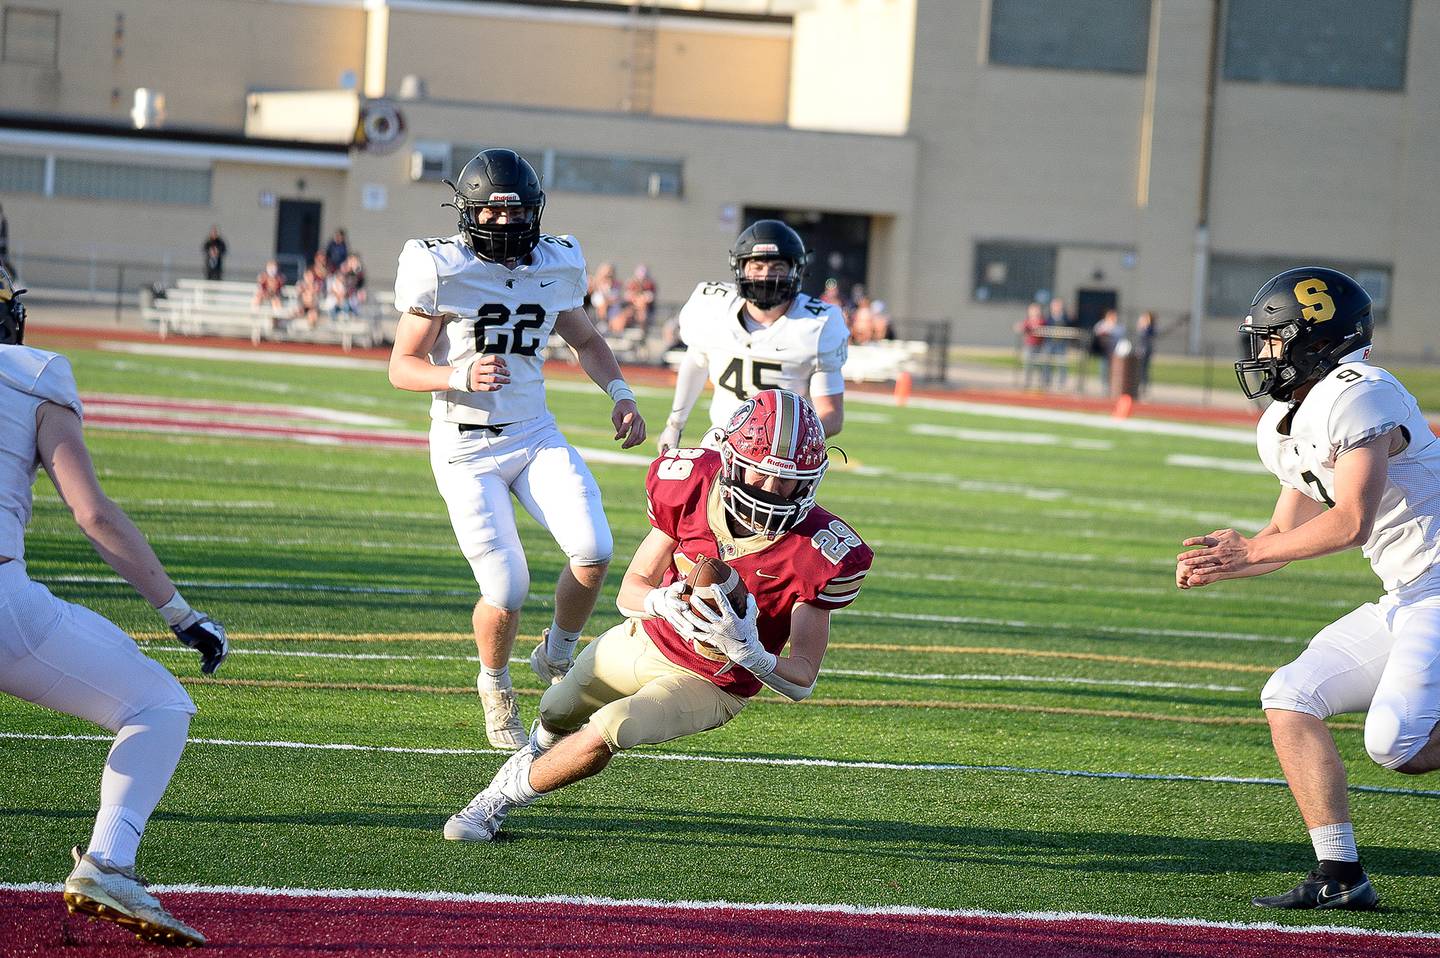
(1355, 403)
(802, 351)
(491, 309)
(28, 378)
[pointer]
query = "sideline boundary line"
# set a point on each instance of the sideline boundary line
(597, 901)
(849, 764)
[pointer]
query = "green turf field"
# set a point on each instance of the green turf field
(1020, 616)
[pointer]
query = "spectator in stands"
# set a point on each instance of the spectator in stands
(1057, 347)
(639, 300)
(861, 320)
(605, 296)
(214, 250)
(1103, 339)
(5, 244)
(268, 288)
(1145, 333)
(1032, 346)
(354, 269)
(311, 292)
(880, 320)
(337, 251)
(321, 264)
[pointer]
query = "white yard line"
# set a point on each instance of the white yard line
(849, 765)
(1156, 427)
(1212, 462)
(1008, 438)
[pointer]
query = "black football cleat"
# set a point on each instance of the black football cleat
(1319, 890)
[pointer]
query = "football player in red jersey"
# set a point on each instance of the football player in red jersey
(672, 668)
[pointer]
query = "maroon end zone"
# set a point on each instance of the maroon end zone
(251, 924)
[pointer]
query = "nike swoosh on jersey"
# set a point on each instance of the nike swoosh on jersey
(551, 283)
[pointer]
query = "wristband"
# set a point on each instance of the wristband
(619, 391)
(175, 611)
(460, 377)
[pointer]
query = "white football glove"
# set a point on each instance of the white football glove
(738, 637)
(669, 438)
(670, 604)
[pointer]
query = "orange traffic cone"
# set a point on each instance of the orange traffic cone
(1122, 406)
(902, 388)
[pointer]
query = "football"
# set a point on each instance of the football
(708, 571)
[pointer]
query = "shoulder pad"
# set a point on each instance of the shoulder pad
(44, 375)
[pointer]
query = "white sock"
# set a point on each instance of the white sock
(1335, 843)
(513, 779)
(545, 739)
(493, 680)
(137, 770)
(559, 644)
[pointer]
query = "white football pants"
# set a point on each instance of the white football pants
(478, 471)
(73, 660)
(1384, 657)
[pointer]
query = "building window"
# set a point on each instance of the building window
(22, 174)
(1013, 272)
(592, 173)
(130, 183)
(1109, 35)
(1318, 43)
(30, 36)
(1233, 280)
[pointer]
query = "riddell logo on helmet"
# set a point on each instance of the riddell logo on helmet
(765, 248)
(776, 463)
(504, 197)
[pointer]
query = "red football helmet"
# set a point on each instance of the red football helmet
(777, 433)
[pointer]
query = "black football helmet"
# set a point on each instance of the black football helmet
(499, 178)
(12, 311)
(1319, 316)
(769, 239)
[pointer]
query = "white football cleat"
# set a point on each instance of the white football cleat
(549, 671)
(502, 719)
(480, 820)
(117, 894)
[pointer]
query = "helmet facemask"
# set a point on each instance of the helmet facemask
(775, 433)
(771, 291)
(12, 312)
(1299, 359)
(760, 511)
(499, 242)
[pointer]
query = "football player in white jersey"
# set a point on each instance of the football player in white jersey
(478, 308)
(66, 657)
(760, 332)
(1358, 466)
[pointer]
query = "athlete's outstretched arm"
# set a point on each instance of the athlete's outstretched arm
(61, 445)
(1360, 477)
(831, 410)
(411, 368)
(690, 381)
(599, 364)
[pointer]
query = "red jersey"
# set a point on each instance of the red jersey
(821, 561)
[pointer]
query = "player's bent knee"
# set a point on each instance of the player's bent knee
(562, 709)
(1285, 693)
(1391, 740)
(503, 577)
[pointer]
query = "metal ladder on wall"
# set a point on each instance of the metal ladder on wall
(641, 27)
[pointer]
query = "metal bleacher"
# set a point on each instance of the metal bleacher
(200, 307)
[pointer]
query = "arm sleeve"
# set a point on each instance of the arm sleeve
(829, 377)
(1363, 412)
(417, 281)
(582, 275)
(689, 383)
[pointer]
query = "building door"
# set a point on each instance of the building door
(297, 235)
(1091, 305)
(839, 245)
